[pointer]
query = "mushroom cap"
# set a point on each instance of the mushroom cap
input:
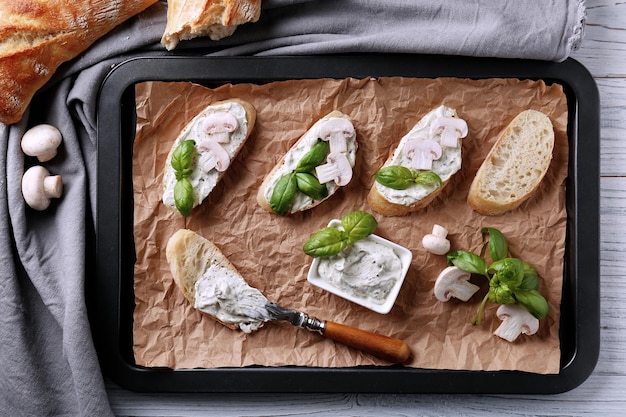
(220, 122)
(455, 122)
(435, 244)
(41, 141)
(336, 125)
(447, 279)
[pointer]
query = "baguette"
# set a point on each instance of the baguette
(217, 19)
(203, 178)
(36, 36)
(399, 202)
(515, 165)
(212, 284)
(293, 156)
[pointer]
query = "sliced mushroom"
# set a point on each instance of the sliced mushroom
(337, 168)
(450, 130)
(516, 320)
(336, 131)
(422, 152)
(436, 242)
(41, 141)
(220, 125)
(212, 155)
(38, 187)
(454, 282)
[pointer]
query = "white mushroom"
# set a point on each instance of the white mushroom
(436, 242)
(337, 168)
(212, 155)
(336, 131)
(38, 187)
(516, 320)
(422, 152)
(450, 130)
(41, 141)
(220, 125)
(454, 282)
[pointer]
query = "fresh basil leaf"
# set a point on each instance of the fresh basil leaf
(395, 176)
(426, 178)
(183, 196)
(500, 293)
(468, 262)
(283, 194)
(310, 185)
(358, 225)
(509, 271)
(531, 278)
(182, 158)
(328, 241)
(533, 301)
(498, 246)
(314, 157)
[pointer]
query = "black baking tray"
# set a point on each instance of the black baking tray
(111, 298)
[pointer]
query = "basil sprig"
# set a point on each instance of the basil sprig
(182, 163)
(400, 177)
(511, 280)
(301, 180)
(330, 241)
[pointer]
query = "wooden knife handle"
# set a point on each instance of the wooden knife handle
(383, 347)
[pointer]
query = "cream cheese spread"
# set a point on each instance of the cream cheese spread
(367, 270)
(446, 166)
(223, 294)
(293, 157)
(203, 183)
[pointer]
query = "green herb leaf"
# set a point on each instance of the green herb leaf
(183, 196)
(284, 192)
(468, 262)
(314, 157)
(396, 177)
(328, 241)
(500, 293)
(427, 177)
(182, 158)
(509, 271)
(533, 301)
(531, 278)
(498, 246)
(358, 225)
(310, 185)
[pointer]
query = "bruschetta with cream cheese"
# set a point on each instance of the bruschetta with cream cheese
(203, 151)
(421, 165)
(313, 169)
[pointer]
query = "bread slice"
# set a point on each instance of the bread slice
(191, 257)
(37, 36)
(217, 19)
(204, 182)
(515, 165)
(391, 202)
(291, 158)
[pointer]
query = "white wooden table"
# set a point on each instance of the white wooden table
(603, 52)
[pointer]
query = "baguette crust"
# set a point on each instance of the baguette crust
(385, 206)
(515, 165)
(217, 19)
(269, 178)
(39, 35)
(169, 178)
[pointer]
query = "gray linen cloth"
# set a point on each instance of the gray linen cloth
(48, 363)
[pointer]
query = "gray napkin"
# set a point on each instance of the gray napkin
(47, 357)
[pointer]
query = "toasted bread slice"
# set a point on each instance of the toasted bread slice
(203, 181)
(231, 301)
(515, 165)
(393, 202)
(288, 163)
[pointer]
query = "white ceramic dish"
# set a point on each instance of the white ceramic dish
(403, 253)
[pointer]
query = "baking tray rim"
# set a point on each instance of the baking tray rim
(106, 304)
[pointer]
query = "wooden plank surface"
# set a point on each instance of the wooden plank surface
(603, 52)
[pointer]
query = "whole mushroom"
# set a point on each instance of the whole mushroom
(38, 187)
(454, 282)
(450, 130)
(41, 141)
(335, 131)
(436, 242)
(220, 125)
(516, 320)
